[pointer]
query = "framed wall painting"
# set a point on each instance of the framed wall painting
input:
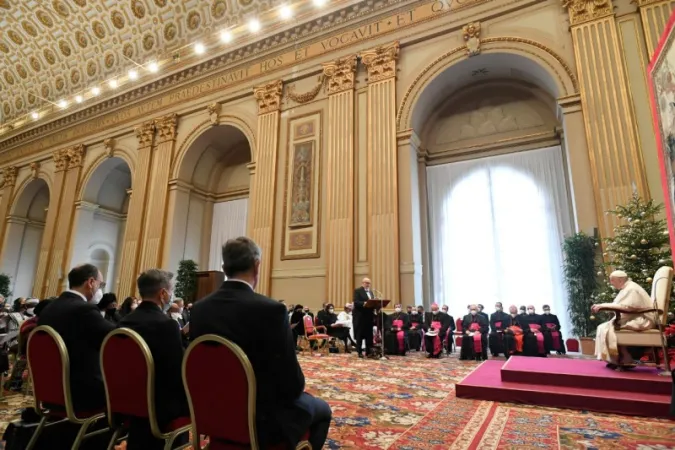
(661, 76)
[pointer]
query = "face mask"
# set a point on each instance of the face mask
(530, 311)
(29, 311)
(546, 311)
(434, 312)
(133, 306)
(175, 316)
(180, 310)
(474, 312)
(414, 313)
(445, 311)
(397, 309)
(98, 295)
(498, 308)
(331, 310)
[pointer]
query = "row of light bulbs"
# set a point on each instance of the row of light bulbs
(226, 36)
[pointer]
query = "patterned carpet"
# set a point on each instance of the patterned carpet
(409, 403)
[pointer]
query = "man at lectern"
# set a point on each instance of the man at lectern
(363, 317)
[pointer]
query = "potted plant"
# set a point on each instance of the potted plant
(5, 282)
(186, 280)
(581, 281)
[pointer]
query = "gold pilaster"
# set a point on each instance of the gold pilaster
(339, 180)
(136, 212)
(611, 128)
(157, 195)
(8, 183)
(383, 169)
(654, 15)
(264, 177)
(61, 243)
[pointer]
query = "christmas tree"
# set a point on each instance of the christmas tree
(639, 247)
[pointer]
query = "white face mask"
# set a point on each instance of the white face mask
(530, 311)
(414, 313)
(397, 309)
(175, 315)
(445, 311)
(98, 295)
(434, 312)
(546, 311)
(331, 310)
(29, 311)
(474, 312)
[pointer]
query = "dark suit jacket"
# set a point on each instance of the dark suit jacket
(83, 329)
(362, 316)
(259, 325)
(164, 339)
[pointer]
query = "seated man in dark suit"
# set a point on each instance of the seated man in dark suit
(162, 334)
(284, 411)
(83, 328)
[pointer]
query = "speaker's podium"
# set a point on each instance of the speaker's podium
(208, 282)
(375, 304)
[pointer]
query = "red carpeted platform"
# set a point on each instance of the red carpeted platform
(569, 383)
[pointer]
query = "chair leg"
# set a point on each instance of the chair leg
(303, 445)
(36, 434)
(113, 439)
(80, 435)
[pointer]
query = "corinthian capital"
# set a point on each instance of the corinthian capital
(9, 176)
(581, 11)
(381, 62)
(60, 159)
(75, 156)
(166, 128)
(340, 74)
(268, 96)
(145, 133)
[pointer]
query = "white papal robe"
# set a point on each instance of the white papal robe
(345, 319)
(632, 295)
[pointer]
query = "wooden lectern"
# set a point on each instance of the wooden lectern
(379, 303)
(208, 282)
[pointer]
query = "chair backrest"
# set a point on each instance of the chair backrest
(459, 325)
(221, 390)
(662, 285)
(308, 323)
(49, 368)
(129, 377)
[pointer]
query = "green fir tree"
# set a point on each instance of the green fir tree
(186, 280)
(639, 247)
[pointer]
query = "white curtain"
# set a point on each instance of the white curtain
(496, 230)
(229, 221)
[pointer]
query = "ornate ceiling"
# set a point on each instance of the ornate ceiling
(51, 49)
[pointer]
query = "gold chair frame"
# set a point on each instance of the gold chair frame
(169, 437)
(308, 342)
(250, 378)
(84, 423)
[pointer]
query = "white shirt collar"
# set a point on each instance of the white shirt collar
(241, 281)
(78, 293)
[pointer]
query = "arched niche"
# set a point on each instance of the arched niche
(208, 198)
(23, 239)
(101, 217)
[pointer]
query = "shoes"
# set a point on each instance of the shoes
(361, 355)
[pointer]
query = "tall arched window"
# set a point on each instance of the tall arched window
(496, 230)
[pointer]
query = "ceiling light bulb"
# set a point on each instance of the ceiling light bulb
(112, 84)
(63, 104)
(254, 25)
(285, 12)
(78, 98)
(133, 74)
(319, 2)
(35, 115)
(153, 67)
(95, 90)
(225, 37)
(199, 48)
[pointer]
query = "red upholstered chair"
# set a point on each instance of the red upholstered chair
(129, 376)
(49, 368)
(312, 334)
(459, 332)
(221, 391)
(572, 345)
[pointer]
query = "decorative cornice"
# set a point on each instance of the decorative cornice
(269, 97)
(166, 128)
(145, 134)
(581, 11)
(214, 111)
(9, 176)
(109, 146)
(34, 169)
(60, 159)
(305, 96)
(641, 3)
(75, 156)
(381, 62)
(471, 34)
(341, 74)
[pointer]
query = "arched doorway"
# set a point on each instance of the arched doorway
(101, 219)
(209, 197)
(25, 227)
(497, 199)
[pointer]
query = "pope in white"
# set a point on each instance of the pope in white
(632, 296)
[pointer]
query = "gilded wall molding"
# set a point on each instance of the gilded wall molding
(34, 170)
(581, 11)
(145, 134)
(214, 111)
(268, 97)
(9, 176)
(341, 74)
(471, 35)
(308, 96)
(75, 156)
(109, 147)
(60, 159)
(648, 2)
(166, 128)
(381, 62)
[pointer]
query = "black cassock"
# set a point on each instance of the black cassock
(469, 343)
(396, 335)
(327, 319)
(434, 344)
(415, 332)
(552, 336)
(499, 322)
(533, 339)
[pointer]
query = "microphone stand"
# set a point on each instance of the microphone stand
(379, 297)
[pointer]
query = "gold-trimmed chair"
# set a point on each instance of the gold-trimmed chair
(661, 290)
(126, 360)
(221, 390)
(49, 368)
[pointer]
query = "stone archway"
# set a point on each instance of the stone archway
(208, 196)
(23, 238)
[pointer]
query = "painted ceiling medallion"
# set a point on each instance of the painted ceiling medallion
(49, 56)
(60, 8)
(148, 42)
(81, 3)
(65, 48)
(6, 109)
(245, 2)
(60, 84)
(160, 3)
(109, 60)
(4, 48)
(4, 4)
(21, 70)
(128, 51)
(170, 31)
(35, 63)
(31, 99)
(99, 29)
(45, 90)
(14, 36)
(44, 18)
(29, 28)
(91, 68)
(81, 39)
(18, 103)
(8, 77)
(218, 8)
(194, 20)
(117, 19)
(75, 77)
(138, 8)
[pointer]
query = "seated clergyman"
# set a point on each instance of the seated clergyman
(630, 296)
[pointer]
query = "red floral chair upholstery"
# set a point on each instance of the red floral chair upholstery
(129, 376)
(49, 368)
(459, 332)
(221, 391)
(312, 335)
